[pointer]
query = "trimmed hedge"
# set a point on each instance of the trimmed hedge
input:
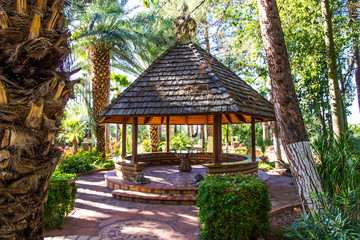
(61, 199)
(233, 207)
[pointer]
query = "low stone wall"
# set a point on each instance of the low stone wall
(162, 158)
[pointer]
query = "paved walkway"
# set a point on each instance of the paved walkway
(99, 216)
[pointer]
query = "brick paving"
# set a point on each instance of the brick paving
(98, 215)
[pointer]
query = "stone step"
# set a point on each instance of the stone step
(115, 183)
(172, 199)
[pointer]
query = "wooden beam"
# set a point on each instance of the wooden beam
(162, 120)
(134, 140)
(240, 118)
(227, 116)
(147, 120)
(186, 120)
(253, 150)
(167, 134)
(123, 140)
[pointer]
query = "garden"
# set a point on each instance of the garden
(164, 120)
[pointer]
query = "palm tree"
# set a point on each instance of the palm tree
(34, 88)
(102, 29)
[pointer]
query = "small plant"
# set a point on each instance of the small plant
(61, 199)
(146, 145)
(181, 142)
(338, 163)
(329, 218)
(269, 165)
(83, 161)
(233, 207)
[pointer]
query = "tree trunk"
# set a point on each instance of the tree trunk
(154, 138)
(353, 15)
(75, 145)
(34, 90)
(337, 112)
(100, 79)
(265, 130)
(287, 110)
(276, 140)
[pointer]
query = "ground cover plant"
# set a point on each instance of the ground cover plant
(83, 161)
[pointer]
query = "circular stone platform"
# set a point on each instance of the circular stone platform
(168, 185)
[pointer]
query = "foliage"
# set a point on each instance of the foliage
(334, 214)
(83, 161)
(268, 165)
(338, 163)
(233, 207)
(181, 142)
(146, 145)
(61, 199)
(330, 218)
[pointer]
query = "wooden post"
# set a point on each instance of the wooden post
(253, 151)
(227, 138)
(134, 140)
(167, 134)
(123, 140)
(217, 138)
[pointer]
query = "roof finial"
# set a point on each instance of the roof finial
(185, 25)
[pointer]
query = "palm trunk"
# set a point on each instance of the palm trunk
(337, 112)
(100, 79)
(287, 109)
(154, 138)
(75, 145)
(34, 89)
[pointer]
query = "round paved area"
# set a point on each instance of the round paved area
(99, 216)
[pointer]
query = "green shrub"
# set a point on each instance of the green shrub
(146, 145)
(181, 142)
(60, 201)
(233, 207)
(83, 161)
(338, 163)
(330, 218)
(268, 165)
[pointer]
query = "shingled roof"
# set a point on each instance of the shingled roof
(189, 85)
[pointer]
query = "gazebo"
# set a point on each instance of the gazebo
(188, 86)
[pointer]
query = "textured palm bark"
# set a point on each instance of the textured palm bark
(353, 15)
(287, 110)
(100, 79)
(34, 91)
(154, 138)
(337, 112)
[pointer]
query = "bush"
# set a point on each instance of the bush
(329, 218)
(83, 161)
(181, 142)
(338, 163)
(333, 214)
(60, 201)
(233, 207)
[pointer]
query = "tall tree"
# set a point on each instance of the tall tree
(287, 110)
(354, 23)
(101, 27)
(337, 111)
(34, 88)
